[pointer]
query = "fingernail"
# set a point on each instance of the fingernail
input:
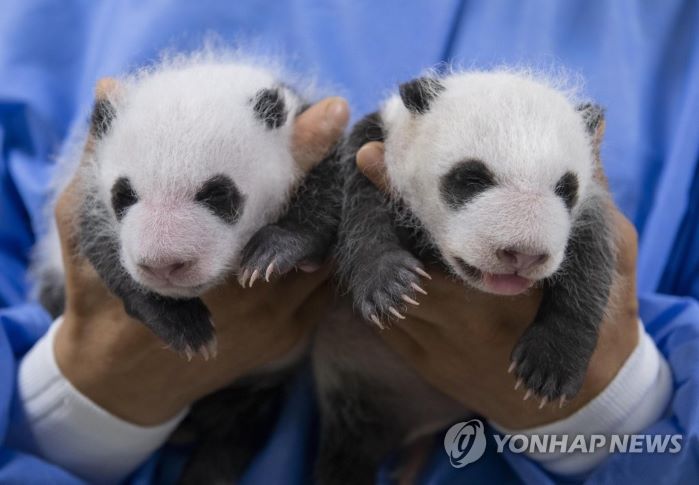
(337, 114)
(372, 155)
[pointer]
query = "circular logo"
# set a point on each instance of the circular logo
(465, 442)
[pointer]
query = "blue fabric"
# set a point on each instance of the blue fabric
(639, 59)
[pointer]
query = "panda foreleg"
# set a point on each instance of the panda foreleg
(382, 276)
(552, 356)
(304, 236)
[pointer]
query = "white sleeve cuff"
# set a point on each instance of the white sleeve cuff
(636, 398)
(73, 432)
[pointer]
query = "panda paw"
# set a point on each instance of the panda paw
(275, 250)
(545, 368)
(184, 326)
(387, 285)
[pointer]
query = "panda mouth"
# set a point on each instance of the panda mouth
(499, 284)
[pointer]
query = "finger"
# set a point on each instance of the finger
(597, 138)
(300, 285)
(106, 87)
(64, 213)
(317, 130)
(370, 161)
(627, 244)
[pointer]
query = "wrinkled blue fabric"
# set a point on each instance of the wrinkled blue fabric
(639, 59)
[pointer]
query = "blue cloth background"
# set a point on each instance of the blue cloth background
(640, 60)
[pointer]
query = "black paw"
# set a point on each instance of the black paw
(183, 325)
(549, 365)
(275, 250)
(382, 289)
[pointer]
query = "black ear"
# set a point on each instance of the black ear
(419, 93)
(102, 115)
(593, 115)
(269, 107)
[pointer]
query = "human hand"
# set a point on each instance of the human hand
(460, 339)
(119, 364)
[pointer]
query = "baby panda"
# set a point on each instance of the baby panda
(186, 162)
(187, 178)
(491, 176)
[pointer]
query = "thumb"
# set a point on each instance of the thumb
(317, 130)
(370, 161)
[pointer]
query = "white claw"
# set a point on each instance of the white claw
(422, 272)
(511, 368)
(407, 299)
(396, 313)
(418, 288)
(562, 401)
(204, 352)
(243, 279)
(376, 320)
(253, 278)
(188, 353)
(213, 347)
(269, 271)
(518, 384)
(543, 402)
(527, 395)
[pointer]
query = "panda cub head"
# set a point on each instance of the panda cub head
(496, 166)
(189, 161)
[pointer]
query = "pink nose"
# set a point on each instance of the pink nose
(165, 271)
(519, 260)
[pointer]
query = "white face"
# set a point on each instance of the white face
(487, 170)
(190, 171)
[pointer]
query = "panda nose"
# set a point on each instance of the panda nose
(520, 260)
(166, 270)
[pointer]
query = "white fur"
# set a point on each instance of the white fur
(177, 125)
(527, 133)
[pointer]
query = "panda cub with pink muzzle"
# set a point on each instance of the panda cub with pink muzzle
(491, 176)
(188, 179)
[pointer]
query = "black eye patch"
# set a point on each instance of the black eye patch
(123, 197)
(269, 107)
(220, 195)
(464, 182)
(567, 189)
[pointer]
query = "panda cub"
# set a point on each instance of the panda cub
(493, 174)
(185, 163)
(490, 176)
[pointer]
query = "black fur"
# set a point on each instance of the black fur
(101, 120)
(419, 93)
(373, 262)
(123, 197)
(222, 197)
(464, 182)
(552, 355)
(357, 433)
(307, 232)
(567, 189)
(593, 115)
(270, 108)
(231, 426)
(52, 292)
